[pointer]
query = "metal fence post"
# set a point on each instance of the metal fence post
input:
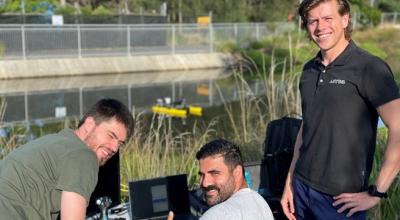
(128, 39)
(78, 27)
(26, 106)
(130, 97)
(235, 30)
(210, 92)
(210, 30)
(395, 18)
(257, 32)
(173, 40)
(23, 42)
(80, 102)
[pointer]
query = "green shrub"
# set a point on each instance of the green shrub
(86, 10)
(228, 46)
(65, 10)
(101, 10)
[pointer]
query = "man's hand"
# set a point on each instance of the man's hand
(287, 202)
(355, 202)
(170, 215)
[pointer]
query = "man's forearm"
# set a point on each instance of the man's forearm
(389, 113)
(391, 163)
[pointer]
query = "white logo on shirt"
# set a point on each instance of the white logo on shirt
(337, 81)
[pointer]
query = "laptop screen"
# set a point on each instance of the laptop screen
(152, 198)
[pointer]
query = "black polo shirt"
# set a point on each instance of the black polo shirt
(339, 104)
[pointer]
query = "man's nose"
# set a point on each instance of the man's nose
(114, 145)
(321, 24)
(205, 181)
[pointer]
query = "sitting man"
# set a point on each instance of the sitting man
(223, 183)
(54, 176)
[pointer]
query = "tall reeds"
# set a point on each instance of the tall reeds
(156, 149)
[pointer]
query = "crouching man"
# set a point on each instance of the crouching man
(224, 187)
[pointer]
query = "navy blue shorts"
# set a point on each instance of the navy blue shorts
(311, 204)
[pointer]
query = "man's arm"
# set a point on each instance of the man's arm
(287, 195)
(390, 114)
(73, 206)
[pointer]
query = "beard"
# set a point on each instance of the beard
(224, 192)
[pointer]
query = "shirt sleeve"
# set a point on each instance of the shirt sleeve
(378, 84)
(78, 173)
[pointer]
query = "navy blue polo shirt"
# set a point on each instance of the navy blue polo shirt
(339, 104)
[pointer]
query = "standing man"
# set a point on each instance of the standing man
(344, 89)
(56, 174)
(224, 186)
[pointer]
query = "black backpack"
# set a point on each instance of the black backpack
(278, 152)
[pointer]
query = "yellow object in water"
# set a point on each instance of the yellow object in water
(195, 110)
(181, 113)
(177, 112)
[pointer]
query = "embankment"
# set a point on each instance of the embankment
(13, 69)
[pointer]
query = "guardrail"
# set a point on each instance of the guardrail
(48, 41)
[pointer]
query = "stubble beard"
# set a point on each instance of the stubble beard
(224, 192)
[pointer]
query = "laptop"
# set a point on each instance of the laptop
(154, 198)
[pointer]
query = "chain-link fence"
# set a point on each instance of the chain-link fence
(391, 18)
(47, 41)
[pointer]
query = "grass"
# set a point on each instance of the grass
(157, 150)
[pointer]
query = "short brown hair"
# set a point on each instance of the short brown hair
(105, 109)
(344, 8)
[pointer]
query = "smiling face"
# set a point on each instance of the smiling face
(105, 138)
(217, 180)
(326, 27)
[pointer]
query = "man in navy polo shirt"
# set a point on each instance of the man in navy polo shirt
(344, 90)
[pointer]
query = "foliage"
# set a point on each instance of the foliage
(374, 49)
(228, 46)
(293, 49)
(366, 15)
(86, 10)
(380, 41)
(156, 150)
(65, 10)
(389, 5)
(31, 6)
(12, 6)
(101, 10)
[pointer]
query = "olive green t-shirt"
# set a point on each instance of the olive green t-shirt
(33, 176)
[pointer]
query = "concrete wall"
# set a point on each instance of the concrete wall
(11, 69)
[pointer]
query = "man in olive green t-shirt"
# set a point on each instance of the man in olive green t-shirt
(56, 174)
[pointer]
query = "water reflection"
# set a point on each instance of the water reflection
(44, 99)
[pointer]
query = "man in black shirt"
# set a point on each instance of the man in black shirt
(344, 90)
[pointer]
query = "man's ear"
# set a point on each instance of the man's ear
(238, 171)
(88, 125)
(345, 20)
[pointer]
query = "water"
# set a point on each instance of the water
(43, 100)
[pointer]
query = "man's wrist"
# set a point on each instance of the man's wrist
(373, 191)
